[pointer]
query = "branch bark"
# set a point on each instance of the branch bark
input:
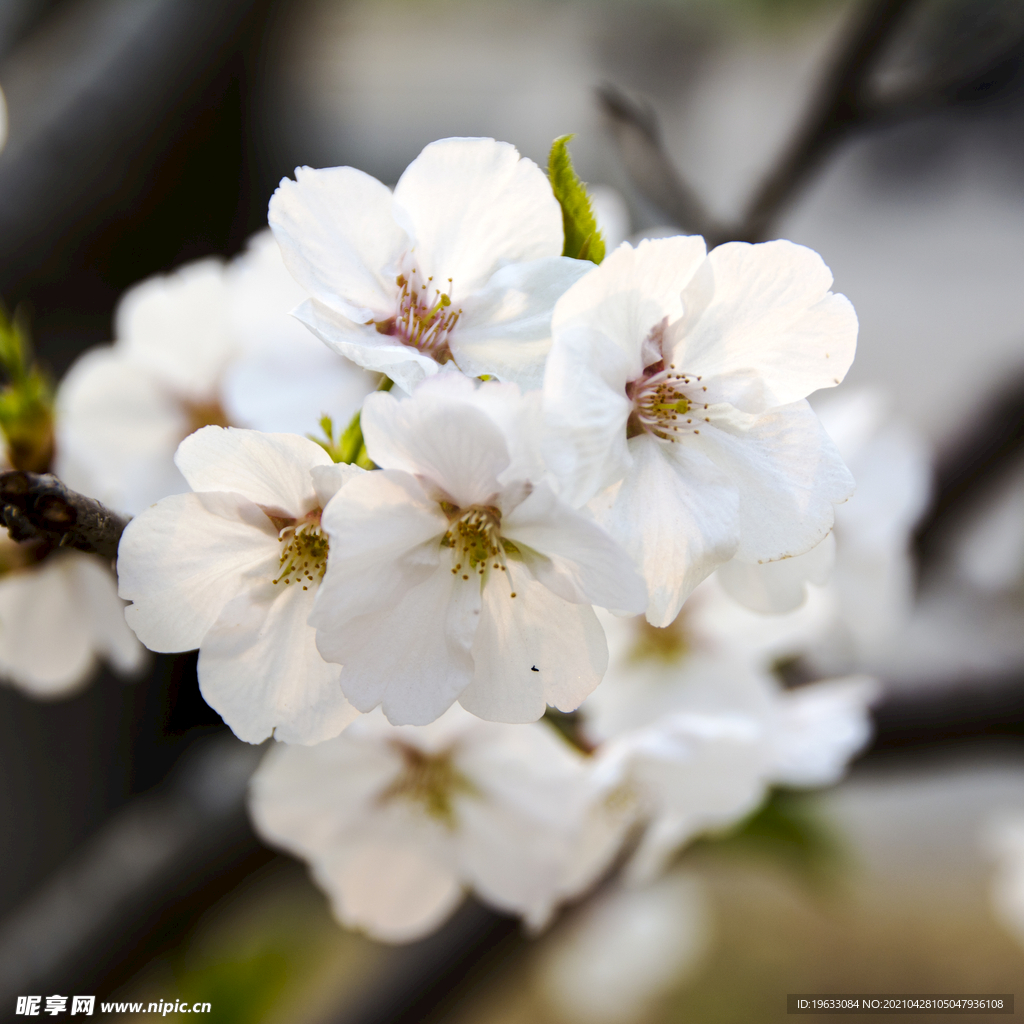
(37, 506)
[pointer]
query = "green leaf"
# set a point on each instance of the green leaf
(583, 240)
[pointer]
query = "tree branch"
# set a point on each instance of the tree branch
(839, 105)
(37, 506)
(636, 131)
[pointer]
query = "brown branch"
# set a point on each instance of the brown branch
(38, 507)
(636, 131)
(839, 106)
(841, 103)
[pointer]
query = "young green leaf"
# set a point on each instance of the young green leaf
(583, 240)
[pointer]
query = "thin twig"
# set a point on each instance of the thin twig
(841, 103)
(636, 131)
(839, 106)
(37, 506)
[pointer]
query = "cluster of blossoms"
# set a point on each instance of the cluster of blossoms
(549, 455)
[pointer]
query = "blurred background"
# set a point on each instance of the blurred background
(145, 133)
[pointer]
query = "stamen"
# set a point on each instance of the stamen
(475, 537)
(304, 549)
(423, 322)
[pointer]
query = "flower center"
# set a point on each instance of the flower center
(204, 414)
(430, 781)
(304, 548)
(475, 539)
(664, 404)
(425, 316)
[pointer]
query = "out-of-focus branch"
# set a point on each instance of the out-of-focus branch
(37, 506)
(843, 102)
(146, 857)
(838, 106)
(636, 131)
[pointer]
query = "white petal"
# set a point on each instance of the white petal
(45, 643)
(364, 346)
(287, 393)
(94, 589)
(821, 727)
(271, 470)
(770, 311)
(117, 430)
(676, 514)
(393, 893)
(452, 444)
(259, 669)
(504, 329)
(328, 480)
(339, 239)
(177, 327)
(182, 560)
(631, 292)
(532, 650)
(789, 476)
(586, 411)
(474, 205)
(307, 799)
(581, 561)
(379, 525)
(777, 587)
(411, 657)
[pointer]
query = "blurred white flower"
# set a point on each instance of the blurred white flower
(624, 949)
(455, 571)
(396, 822)
(692, 738)
(207, 344)
(867, 560)
(1005, 842)
(675, 388)
(282, 378)
(57, 617)
(462, 263)
(233, 569)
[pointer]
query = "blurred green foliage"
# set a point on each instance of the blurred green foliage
(26, 400)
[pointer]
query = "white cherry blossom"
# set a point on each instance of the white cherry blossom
(456, 573)
(675, 388)
(233, 568)
(692, 738)
(58, 616)
(397, 822)
(207, 344)
(866, 558)
(460, 265)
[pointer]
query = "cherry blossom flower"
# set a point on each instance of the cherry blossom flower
(397, 822)
(233, 568)
(675, 389)
(208, 344)
(691, 739)
(867, 555)
(58, 616)
(456, 573)
(460, 265)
